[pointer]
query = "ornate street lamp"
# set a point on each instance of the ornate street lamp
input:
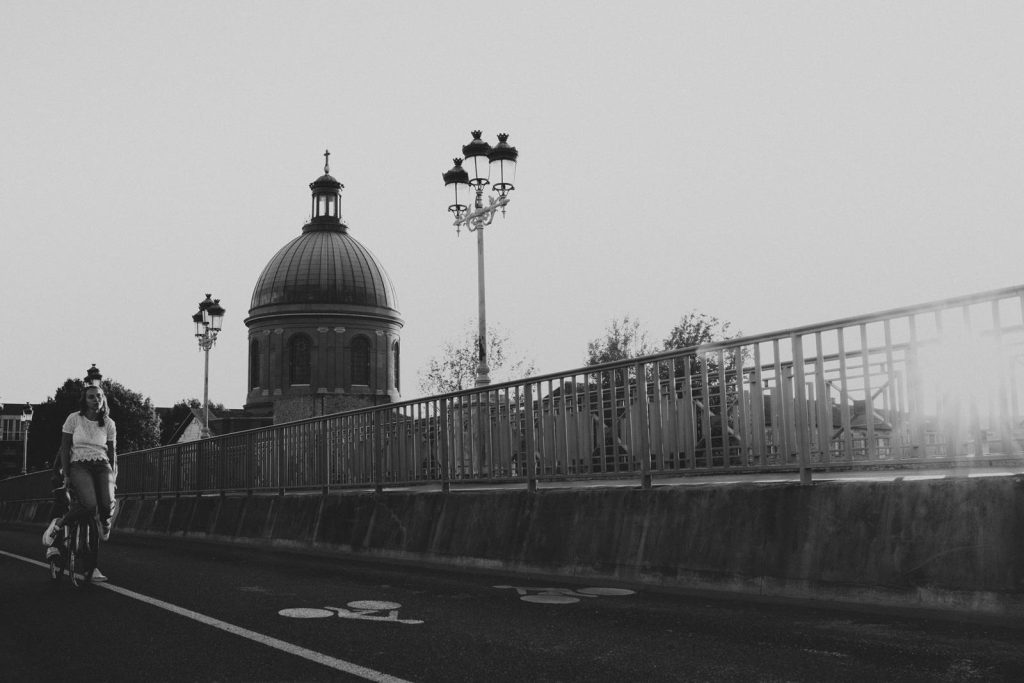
(93, 376)
(26, 422)
(208, 322)
(483, 165)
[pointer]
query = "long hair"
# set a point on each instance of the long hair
(83, 407)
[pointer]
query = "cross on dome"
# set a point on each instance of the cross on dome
(327, 167)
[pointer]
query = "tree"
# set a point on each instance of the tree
(138, 426)
(455, 368)
(622, 340)
(694, 329)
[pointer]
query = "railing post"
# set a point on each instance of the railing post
(222, 463)
(531, 463)
(1004, 424)
(249, 478)
(200, 466)
(643, 410)
(377, 449)
(800, 407)
(325, 460)
(159, 472)
(280, 460)
(442, 442)
(176, 465)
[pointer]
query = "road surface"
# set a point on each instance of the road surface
(186, 611)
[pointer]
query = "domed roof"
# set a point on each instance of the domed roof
(324, 267)
(326, 180)
(324, 270)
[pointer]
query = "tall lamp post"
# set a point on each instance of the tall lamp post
(26, 422)
(208, 323)
(484, 165)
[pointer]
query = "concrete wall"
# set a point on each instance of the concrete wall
(946, 544)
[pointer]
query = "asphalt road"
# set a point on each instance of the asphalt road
(175, 611)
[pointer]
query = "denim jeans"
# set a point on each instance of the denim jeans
(93, 486)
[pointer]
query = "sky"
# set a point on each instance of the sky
(773, 164)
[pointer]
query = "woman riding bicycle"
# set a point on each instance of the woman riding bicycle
(88, 455)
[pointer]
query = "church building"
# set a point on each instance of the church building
(323, 323)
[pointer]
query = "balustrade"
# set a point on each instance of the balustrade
(937, 385)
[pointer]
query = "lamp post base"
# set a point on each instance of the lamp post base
(483, 374)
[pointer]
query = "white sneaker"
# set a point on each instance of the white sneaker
(50, 535)
(52, 552)
(97, 576)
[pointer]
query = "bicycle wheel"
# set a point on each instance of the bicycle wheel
(81, 558)
(64, 544)
(58, 562)
(74, 562)
(74, 556)
(92, 549)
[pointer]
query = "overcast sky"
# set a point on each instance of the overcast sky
(773, 164)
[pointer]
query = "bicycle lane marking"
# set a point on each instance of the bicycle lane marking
(269, 641)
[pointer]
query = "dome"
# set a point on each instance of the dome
(326, 180)
(324, 326)
(324, 270)
(324, 267)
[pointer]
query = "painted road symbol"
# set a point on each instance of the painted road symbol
(564, 596)
(369, 610)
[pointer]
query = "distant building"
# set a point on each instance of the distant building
(224, 421)
(12, 439)
(323, 322)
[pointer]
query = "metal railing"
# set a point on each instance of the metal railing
(938, 385)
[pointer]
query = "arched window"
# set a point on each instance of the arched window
(299, 348)
(325, 203)
(394, 352)
(254, 364)
(361, 361)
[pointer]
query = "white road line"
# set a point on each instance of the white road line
(311, 655)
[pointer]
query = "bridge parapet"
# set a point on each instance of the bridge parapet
(949, 545)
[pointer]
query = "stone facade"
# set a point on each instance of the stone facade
(358, 361)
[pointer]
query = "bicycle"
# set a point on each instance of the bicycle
(79, 548)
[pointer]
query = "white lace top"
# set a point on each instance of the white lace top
(88, 439)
